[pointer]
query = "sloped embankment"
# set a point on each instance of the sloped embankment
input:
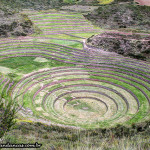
(134, 45)
(127, 15)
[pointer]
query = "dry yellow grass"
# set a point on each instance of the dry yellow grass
(105, 1)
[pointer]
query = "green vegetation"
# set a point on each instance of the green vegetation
(26, 4)
(76, 45)
(138, 16)
(61, 138)
(27, 64)
(8, 110)
(82, 97)
(84, 35)
(105, 1)
(79, 104)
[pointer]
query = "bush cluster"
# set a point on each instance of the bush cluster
(8, 109)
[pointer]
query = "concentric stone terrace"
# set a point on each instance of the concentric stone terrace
(86, 96)
(93, 89)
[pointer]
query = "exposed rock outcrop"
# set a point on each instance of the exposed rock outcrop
(134, 45)
(14, 24)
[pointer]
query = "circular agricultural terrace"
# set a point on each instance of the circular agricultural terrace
(99, 89)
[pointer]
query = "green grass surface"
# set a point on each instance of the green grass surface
(27, 64)
(85, 35)
(80, 113)
(61, 138)
(62, 36)
(105, 1)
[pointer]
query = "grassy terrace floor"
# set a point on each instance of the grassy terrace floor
(62, 81)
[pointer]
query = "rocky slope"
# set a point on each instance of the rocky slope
(14, 24)
(30, 4)
(125, 15)
(133, 45)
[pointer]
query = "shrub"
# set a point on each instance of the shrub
(71, 137)
(8, 109)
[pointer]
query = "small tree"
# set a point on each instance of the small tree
(8, 109)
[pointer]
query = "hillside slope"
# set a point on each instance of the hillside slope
(14, 24)
(127, 15)
(133, 45)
